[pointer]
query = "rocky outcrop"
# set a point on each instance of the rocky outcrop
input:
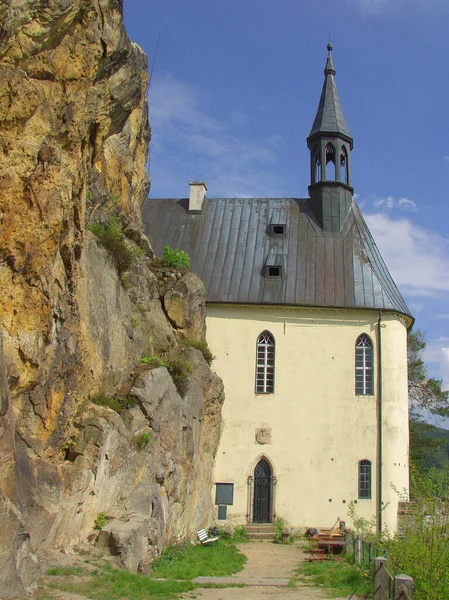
(82, 302)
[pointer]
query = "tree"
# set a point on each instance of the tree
(425, 393)
(426, 397)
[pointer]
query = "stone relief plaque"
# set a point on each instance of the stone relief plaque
(263, 435)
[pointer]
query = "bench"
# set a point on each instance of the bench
(205, 539)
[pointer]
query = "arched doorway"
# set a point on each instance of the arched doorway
(263, 495)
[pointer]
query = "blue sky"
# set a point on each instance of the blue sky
(234, 91)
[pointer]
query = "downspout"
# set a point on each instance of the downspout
(379, 424)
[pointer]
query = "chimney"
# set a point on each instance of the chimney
(197, 196)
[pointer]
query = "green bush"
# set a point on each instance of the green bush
(240, 534)
(100, 521)
(143, 440)
(117, 403)
(203, 346)
(111, 237)
(177, 259)
(179, 371)
(279, 523)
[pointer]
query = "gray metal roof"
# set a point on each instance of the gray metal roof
(229, 245)
(329, 117)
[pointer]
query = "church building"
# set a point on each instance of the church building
(310, 336)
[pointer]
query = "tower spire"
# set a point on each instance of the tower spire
(330, 143)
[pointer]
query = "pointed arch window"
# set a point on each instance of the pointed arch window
(265, 363)
(344, 165)
(364, 380)
(330, 158)
(364, 479)
(317, 165)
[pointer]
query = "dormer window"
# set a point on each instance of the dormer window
(274, 266)
(278, 230)
(274, 272)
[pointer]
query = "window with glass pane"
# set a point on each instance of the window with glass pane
(265, 363)
(364, 380)
(364, 479)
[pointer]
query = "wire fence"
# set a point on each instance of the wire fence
(369, 556)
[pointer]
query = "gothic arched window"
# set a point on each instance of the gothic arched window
(317, 165)
(364, 479)
(330, 158)
(265, 363)
(344, 166)
(364, 379)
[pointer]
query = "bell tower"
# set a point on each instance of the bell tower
(330, 143)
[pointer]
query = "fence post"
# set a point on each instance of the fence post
(349, 542)
(380, 579)
(403, 587)
(358, 557)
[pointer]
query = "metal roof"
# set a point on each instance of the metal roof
(329, 117)
(230, 243)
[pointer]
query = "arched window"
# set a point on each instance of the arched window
(364, 381)
(317, 164)
(331, 172)
(265, 363)
(344, 172)
(364, 479)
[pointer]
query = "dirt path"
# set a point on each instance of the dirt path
(267, 560)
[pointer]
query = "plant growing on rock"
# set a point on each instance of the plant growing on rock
(111, 237)
(117, 403)
(100, 521)
(179, 371)
(143, 440)
(177, 259)
(153, 361)
(203, 347)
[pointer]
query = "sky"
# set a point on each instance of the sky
(234, 90)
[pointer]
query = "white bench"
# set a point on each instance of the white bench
(204, 538)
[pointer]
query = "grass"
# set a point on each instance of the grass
(341, 577)
(180, 563)
(187, 562)
(108, 583)
(203, 347)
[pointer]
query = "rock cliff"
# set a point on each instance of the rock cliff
(88, 434)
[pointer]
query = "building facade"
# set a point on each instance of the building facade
(310, 336)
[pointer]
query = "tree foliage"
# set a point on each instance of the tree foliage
(426, 397)
(425, 393)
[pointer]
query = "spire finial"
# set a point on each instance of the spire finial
(329, 69)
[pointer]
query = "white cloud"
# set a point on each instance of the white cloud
(189, 144)
(390, 202)
(446, 159)
(442, 316)
(417, 258)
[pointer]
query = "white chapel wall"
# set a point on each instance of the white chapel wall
(319, 428)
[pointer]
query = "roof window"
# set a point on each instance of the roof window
(273, 272)
(278, 230)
